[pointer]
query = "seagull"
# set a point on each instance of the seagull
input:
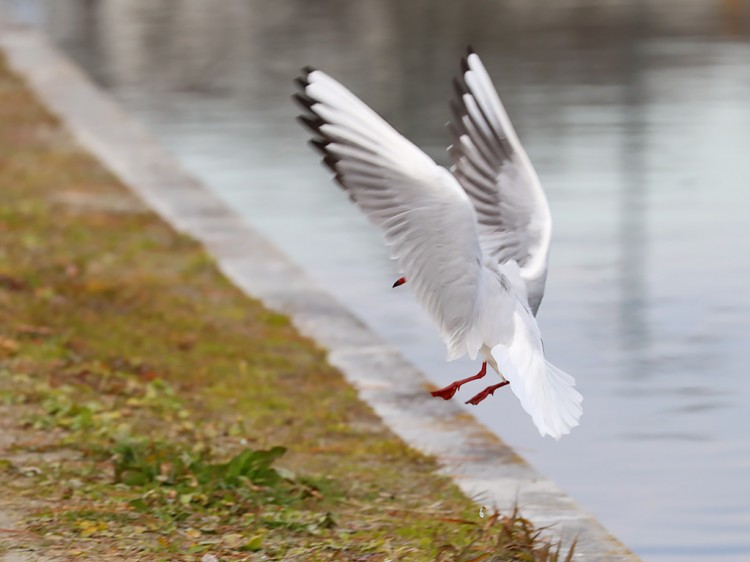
(472, 241)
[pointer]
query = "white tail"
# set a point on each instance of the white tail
(547, 393)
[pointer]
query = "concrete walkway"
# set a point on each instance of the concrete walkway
(482, 466)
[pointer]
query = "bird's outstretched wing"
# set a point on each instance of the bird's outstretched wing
(494, 170)
(428, 221)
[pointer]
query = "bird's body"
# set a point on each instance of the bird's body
(472, 242)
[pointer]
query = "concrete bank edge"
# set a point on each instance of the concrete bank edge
(483, 467)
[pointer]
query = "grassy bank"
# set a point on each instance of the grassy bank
(149, 410)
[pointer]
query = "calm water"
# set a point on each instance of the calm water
(637, 118)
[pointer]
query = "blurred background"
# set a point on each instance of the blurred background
(636, 116)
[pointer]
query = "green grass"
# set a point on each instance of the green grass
(156, 413)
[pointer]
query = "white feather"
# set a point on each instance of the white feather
(546, 393)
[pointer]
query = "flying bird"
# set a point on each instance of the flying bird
(472, 241)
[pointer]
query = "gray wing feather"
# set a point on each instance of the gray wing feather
(428, 221)
(494, 170)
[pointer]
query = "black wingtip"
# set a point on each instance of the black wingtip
(457, 111)
(339, 179)
(330, 160)
(456, 126)
(320, 145)
(308, 70)
(460, 88)
(464, 65)
(305, 101)
(312, 122)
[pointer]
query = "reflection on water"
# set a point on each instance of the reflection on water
(637, 117)
(633, 243)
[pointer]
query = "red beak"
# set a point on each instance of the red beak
(399, 282)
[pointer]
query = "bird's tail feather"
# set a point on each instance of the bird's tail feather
(547, 393)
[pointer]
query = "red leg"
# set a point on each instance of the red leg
(486, 392)
(448, 392)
